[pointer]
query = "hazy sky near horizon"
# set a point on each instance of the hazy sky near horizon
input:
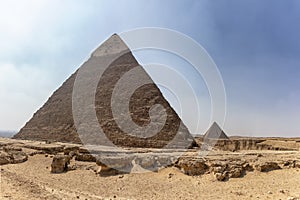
(254, 43)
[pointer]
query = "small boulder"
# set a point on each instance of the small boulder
(221, 176)
(297, 164)
(60, 163)
(218, 169)
(247, 167)
(5, 158)
(236, 172)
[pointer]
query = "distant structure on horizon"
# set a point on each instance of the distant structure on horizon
(215, 132)
(54, 121)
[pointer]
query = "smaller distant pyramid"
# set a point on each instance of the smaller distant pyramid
(215, 132)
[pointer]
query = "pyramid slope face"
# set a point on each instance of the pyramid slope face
(215, 132)
(54, 121)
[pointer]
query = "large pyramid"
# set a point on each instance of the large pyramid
(55, 122)
(215, 132)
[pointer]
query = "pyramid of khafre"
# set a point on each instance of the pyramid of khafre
(55, 122)
(215, 132)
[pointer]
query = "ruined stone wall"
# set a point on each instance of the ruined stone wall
(240, 144)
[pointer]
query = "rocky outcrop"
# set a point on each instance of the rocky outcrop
(193, 167)
(5, 158)
(71, 149)
(85, 157)
(225, 170)
(267, 166)
(221, 176)
(222, 170)
(18, 156)
(11, 155)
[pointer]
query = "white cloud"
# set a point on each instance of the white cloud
(37, 40)
(21, 92)
(43, 41)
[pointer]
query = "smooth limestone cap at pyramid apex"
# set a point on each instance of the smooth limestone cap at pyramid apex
(113, 45)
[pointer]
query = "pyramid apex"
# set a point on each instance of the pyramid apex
(113, 45)
(216, 124)
(215, 132)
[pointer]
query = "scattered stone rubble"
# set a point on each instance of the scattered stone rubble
(222, 165)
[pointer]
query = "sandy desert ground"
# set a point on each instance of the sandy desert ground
(33, 180)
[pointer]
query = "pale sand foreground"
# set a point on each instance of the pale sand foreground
(33, 180)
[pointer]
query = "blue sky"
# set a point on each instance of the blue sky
(254, 43)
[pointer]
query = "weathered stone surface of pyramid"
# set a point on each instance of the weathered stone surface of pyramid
(55, 122)
(215, 132)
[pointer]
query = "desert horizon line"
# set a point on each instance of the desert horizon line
(13, 132)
